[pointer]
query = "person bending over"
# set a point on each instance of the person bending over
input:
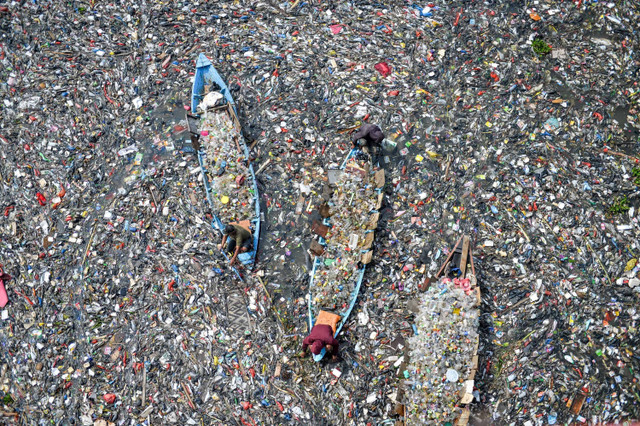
(238, 240)
(321, 336)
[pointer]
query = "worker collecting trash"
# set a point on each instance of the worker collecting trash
(373, 137)
(321, 337)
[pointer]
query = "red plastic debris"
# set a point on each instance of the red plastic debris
(335, 29)
(383, 68)
(109, 398)
(455, 23)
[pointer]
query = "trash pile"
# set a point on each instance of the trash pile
(232, 199)
(517, 124)
(353, 210)
(442, 354)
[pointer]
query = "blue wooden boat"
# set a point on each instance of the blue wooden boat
(357, 275)
(207, 76)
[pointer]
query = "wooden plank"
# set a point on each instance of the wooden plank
(465, 254)
(319, 229)
(578, 401)
(373, 221)
(324, 210)
(474, 366)
(236, 121)
(316, 248)
(192, 128)
(399, 410)
(266, 163)
(368, 241)
(426, 284)
(466, 392)
(472, 374)
(379, 178)
(446, 262)
(347, 130)
(446, 172)
(474, 361)
(473, 268)
(463, 420)
(217, 108)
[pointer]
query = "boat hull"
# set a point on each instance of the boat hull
(358, 276)
(207, 75)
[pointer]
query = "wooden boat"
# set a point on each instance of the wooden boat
(460, 258)
(458, 264)
(460, 261)
(347, 255)
(216, 136)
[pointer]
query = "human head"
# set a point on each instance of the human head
(229, 230)
(329, 348)
(316, 347)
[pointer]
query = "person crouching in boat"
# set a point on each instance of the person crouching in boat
(373, 136)
(321, 336)
(239, 241)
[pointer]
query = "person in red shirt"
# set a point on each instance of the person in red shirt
(321, 336)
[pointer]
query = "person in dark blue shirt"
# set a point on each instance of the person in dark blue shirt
(373, 136)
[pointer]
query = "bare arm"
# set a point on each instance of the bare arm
(305, 346)
(235, 254)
